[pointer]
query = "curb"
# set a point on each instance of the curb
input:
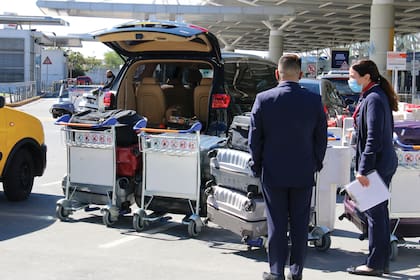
(26, 101)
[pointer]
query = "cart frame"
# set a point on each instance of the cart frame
(176, 152)
(94, 147)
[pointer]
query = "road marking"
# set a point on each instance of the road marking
(118, 242)
(133, 237)
(51, 184)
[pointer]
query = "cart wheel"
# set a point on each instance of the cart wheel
(107, 219)
(394, 250)
(138, 220)
(61, 213)
(192, 229)
(324, 243)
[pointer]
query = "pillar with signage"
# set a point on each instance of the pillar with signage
(396, 61)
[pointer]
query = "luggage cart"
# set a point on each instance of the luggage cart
(404, 210)
(235, 201)
(171, 169)
(91, 172)
(319, 236)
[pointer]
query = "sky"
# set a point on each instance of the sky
(78, 25)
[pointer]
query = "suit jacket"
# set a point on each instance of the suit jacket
(374, 129)
(288, 135)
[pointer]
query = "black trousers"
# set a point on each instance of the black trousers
(287, 206)
(379, 236)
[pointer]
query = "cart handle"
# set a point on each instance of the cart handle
(332, 137)
(64, 120)
(141, 126)
(407, 147)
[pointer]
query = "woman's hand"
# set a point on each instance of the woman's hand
(363, 180)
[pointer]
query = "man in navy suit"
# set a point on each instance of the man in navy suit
(288, 141)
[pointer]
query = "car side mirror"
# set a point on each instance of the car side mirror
(2, 101)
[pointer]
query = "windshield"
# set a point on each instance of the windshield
(311, 87)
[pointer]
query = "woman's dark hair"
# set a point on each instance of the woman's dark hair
(367, 66)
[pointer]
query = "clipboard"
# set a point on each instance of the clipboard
(368, 197)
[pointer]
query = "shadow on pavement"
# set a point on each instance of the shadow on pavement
(20, 218)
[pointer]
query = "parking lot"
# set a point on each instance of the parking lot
(35, 245)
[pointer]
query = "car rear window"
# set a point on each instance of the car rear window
(244, 80)
(341, 85)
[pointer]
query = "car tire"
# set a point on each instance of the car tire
(19, 177)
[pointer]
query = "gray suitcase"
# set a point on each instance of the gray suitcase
(234, 211)
(231, 169)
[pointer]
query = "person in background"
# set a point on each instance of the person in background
(109, 78)
(374, 151)
(287, 148)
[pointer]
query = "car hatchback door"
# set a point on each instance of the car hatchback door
(146, 39)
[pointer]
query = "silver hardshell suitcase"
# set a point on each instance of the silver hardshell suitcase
(231, 169)
(238, 212)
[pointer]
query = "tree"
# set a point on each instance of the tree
(79, 64)
(112, 60)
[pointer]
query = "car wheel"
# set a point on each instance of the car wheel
(19, 178)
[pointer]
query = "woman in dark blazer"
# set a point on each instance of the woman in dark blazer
(374, 151)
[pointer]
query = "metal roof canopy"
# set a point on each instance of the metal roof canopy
(245, 24)
(31, 20)
(44, 39)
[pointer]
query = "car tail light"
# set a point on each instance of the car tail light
(108, 99)
(325, 109)
(220, 101)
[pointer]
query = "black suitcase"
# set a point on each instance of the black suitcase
(124, 122)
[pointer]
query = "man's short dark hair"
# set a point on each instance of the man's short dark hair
(290, 64)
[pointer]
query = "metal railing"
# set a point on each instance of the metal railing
(16, 92)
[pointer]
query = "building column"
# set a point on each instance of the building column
(381, 33)
(275, 45)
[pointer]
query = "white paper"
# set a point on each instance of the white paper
(368, 197)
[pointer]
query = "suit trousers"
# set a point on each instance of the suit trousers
(287, 206)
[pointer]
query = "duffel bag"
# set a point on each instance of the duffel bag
(126, 119)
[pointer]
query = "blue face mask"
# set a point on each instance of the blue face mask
(354, 86)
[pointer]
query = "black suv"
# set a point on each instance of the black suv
(175, 74)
